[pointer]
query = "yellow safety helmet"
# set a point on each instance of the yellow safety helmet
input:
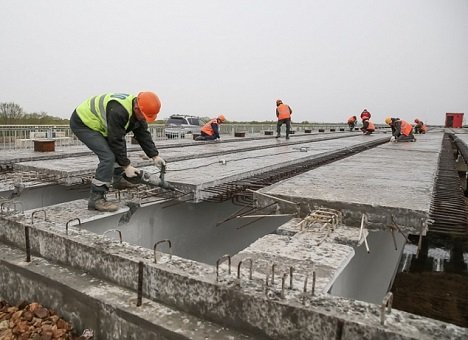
(388, 120)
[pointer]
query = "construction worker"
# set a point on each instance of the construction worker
(402, 131)
(420, 127)
(283, 113)
(101, 123)
(210, 131)
(367, 127)
(365, 114)
(352, 122)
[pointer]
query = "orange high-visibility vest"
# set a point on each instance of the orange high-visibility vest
(423, 128)
(284, 111)
(207, 127)
(405, 128)
(371, 126)
(351, 120)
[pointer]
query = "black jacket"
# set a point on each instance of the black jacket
(117, 118)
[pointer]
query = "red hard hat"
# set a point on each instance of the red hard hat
(416, 120)
(149, 105)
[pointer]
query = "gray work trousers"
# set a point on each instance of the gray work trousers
(97, 143)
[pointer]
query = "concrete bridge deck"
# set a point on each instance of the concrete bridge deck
(238, 308)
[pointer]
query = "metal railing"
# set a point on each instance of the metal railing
(22, 136)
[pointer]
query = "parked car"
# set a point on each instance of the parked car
(177, 126)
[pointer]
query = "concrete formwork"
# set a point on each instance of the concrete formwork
(393, 179)
(74, 168)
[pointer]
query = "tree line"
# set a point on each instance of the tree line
(13, 114)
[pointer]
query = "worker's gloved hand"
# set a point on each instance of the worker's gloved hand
(159, 162)
(393, 139)
(131, 171)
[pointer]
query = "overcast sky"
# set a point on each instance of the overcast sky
(326, 59)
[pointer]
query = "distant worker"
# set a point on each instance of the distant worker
(210, 131)
(402, 131)
(352, 122)
(283, 113)
(420, 127)
(101, 123)
(365, 114)
(367, 127)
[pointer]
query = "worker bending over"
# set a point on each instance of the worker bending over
(283, 113)
(402, 131)
(352, 122)
(420, 127)
(367, 127)
(210, 131)
(101, 123)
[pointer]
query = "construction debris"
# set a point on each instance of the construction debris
(33, 321)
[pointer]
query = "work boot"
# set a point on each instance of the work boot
(287, 136)
(278, 136)
(120, 183)
(97, 201)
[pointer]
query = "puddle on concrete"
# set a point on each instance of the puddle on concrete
(435, 284)
(192, 229)
(368, 276)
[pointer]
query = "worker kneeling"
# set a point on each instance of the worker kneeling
(367, 126)
(352, 122)
(420, 127)
(402, 131)
(210, 131)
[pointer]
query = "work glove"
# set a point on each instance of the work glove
(393, 139)
(159, 162)
(131, 171)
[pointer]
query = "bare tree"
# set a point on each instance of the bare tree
(10, 113)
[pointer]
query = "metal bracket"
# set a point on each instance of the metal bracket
(250, 267)
(221, 260)
(37, 211)
(114, 230)
(68, 224)
(387, 302)
(156, 246)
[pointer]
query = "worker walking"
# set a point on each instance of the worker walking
(283, 113)
(210, 131)
(101, 123)
(367, 127)
(420, 127)
(402, 131)
(352, 122)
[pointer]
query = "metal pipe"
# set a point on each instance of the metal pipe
(140, 283)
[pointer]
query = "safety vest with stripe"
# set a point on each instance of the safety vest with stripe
(283, 111)
(405, 128)
(93, 114)
(207, 128)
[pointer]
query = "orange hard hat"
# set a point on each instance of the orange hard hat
(221, 118)
(149, 105)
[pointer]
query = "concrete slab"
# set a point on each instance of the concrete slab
(395, 178)
(84, 162)
(192, 287)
